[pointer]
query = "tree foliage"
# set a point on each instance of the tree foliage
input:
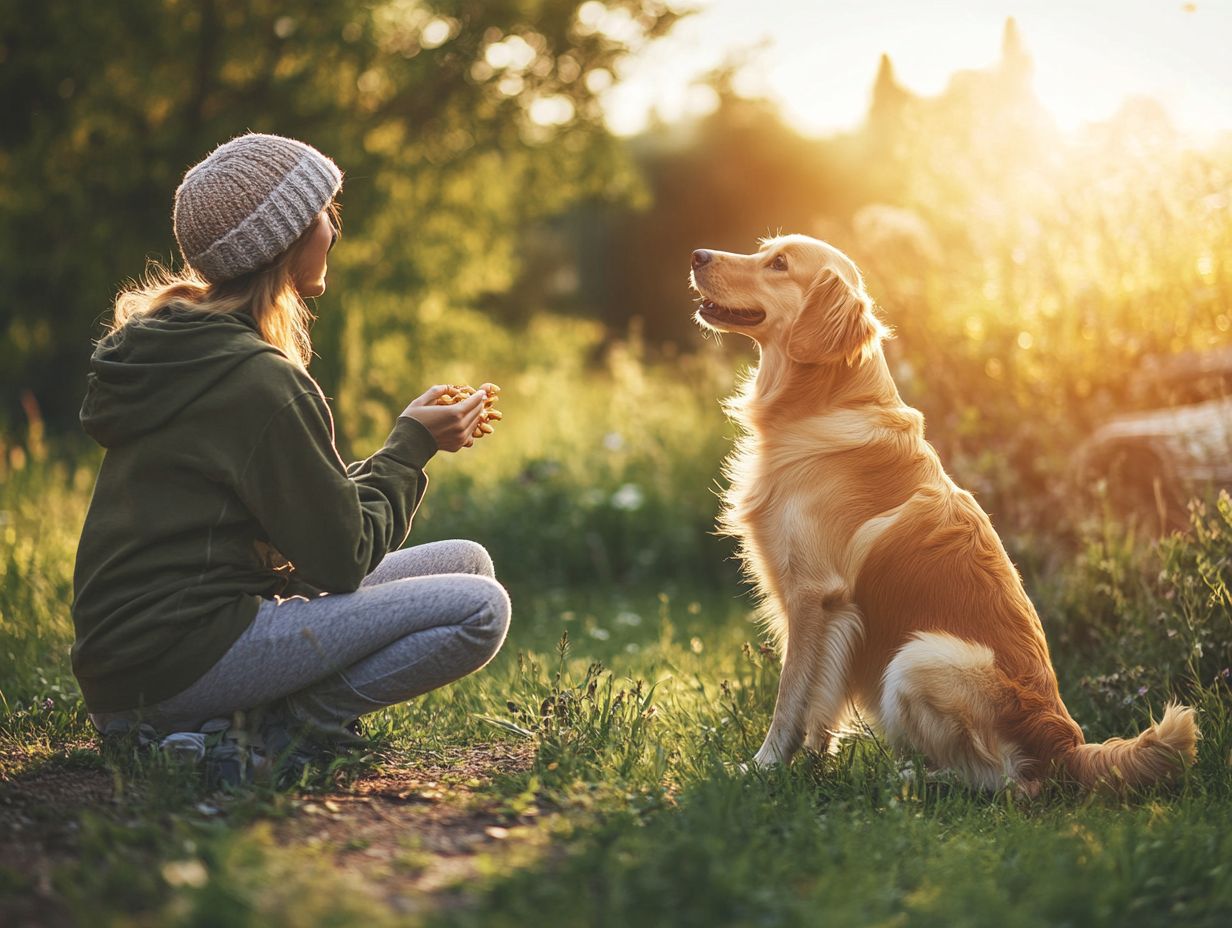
(456, 123)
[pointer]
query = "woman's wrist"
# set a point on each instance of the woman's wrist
(412, 441)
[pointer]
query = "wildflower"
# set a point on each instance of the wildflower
(185, 873)
(628, 498)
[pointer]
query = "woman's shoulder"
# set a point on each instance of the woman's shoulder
(273, 391)
(272, 380)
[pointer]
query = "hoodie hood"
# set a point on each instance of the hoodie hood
(143, 374)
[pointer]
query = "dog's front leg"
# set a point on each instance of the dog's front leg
(791, 708)
(822, 634)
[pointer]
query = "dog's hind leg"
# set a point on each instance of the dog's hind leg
(823, 631)
(940, 697)
(824, 733)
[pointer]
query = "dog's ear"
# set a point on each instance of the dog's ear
(836, 323)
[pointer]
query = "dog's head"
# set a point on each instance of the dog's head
(798, 293)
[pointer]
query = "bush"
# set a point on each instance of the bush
(1141, 619)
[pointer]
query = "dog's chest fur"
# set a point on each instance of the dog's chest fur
(787, 516)
(807, 502)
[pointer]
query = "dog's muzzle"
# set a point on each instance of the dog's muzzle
(727, 315)
(710, 311)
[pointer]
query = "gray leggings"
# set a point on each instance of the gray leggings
(423, 618)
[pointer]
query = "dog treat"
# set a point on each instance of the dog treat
(456, 393)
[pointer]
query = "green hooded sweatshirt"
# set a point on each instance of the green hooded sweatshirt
(220, 487)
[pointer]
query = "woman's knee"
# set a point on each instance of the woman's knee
(491, 611)
(471, 557)
(456, 556)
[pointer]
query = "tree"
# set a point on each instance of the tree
(456, 124)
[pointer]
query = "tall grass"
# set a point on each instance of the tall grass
(1037, 295)
(42, 507)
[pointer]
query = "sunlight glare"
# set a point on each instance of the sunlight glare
(818, 60)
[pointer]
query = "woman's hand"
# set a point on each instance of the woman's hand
(451, 426)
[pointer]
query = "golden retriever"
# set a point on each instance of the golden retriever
(884, 582)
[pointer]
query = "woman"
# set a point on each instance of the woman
(229, 559)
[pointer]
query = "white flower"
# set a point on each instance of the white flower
(629, 498)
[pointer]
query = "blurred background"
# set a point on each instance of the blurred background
(1038, 193)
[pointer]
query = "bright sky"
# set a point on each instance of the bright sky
(818, 59)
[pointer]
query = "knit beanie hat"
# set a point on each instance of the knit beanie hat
(248, 201)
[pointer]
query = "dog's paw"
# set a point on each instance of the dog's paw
(765, 759)
(1027, 789)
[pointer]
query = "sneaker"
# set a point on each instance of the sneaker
(121, 737)
(285, 748)
(185, 747)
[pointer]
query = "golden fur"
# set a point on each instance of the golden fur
(885, 584)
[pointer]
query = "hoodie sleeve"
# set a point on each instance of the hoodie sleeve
(333, 522)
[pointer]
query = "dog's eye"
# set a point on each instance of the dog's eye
(779, 263)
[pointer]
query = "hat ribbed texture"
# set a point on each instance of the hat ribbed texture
(248, 201)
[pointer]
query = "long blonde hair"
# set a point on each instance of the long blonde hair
(269, 294)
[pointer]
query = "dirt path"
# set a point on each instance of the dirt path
(412, 835)
(39, 822)
(408, 835)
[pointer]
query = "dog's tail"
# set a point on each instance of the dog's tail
(1156, 755)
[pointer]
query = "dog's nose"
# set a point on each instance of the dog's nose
(701, 257)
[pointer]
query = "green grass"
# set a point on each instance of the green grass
(637, 699)
(635, 790)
